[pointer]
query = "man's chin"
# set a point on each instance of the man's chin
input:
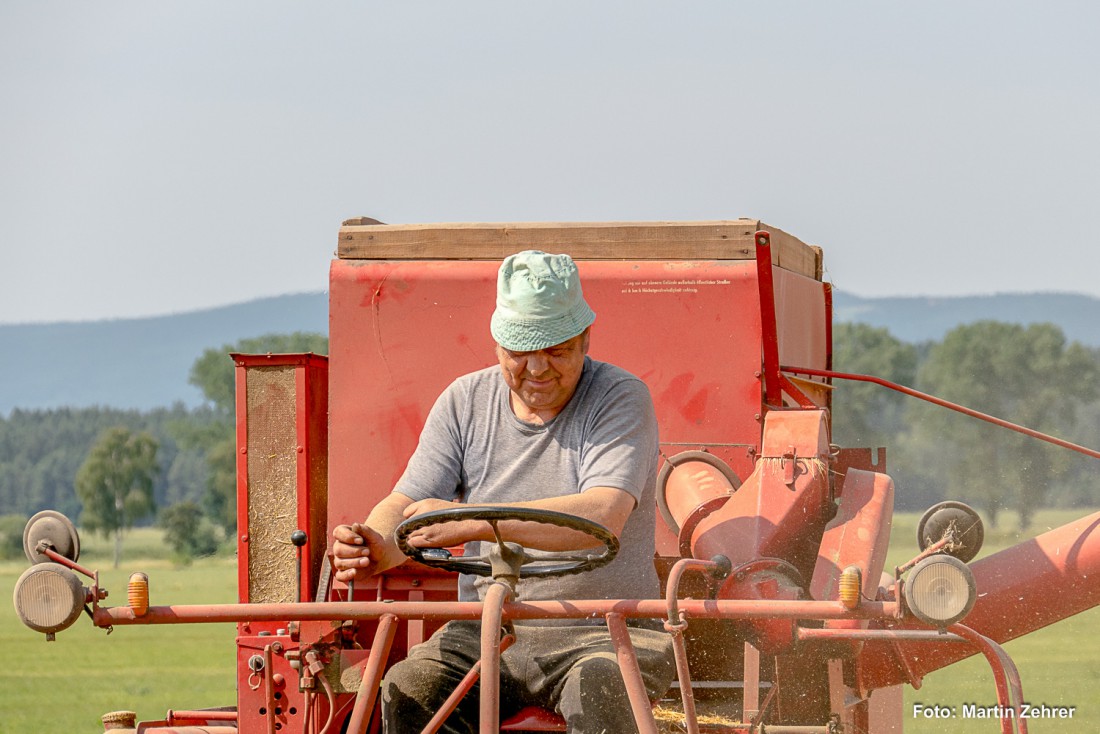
(538, 400)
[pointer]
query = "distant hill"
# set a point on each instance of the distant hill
(920, 318)
(135, 363)
(144, 363)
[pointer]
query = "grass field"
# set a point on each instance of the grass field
(64, 686)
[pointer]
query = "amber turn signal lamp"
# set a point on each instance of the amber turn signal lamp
(138, 594)
(851, 583)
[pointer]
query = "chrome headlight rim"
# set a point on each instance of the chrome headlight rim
(937, 570)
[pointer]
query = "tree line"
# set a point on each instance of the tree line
(1027, 375)
(110, 469)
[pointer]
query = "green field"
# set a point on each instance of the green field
(64, 686)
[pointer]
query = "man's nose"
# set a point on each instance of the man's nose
(537, 363)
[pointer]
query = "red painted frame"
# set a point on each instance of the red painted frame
(311, 429)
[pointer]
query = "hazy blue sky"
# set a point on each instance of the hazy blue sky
(162, 157)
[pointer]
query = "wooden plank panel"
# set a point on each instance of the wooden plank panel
(362, 239)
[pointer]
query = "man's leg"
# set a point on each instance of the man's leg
(415, 688)
(575, 671)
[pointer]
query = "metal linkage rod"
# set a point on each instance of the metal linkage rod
(946, 404)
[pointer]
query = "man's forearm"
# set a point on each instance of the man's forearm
(604, 506)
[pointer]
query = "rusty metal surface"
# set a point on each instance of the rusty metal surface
(632, 674)
(367, 694)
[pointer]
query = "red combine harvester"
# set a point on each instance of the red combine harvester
(771, 542)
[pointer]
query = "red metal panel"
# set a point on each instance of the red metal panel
(773, 395)
(257, 703)
(769, 515)
(241, 405)
(802, 319)
(401, 331)
(858, 536)
(312, 429)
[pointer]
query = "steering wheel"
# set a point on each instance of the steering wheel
(530, 566)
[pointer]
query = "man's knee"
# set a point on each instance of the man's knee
(410, 689)
(596, 679)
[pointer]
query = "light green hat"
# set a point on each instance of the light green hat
(539, 302)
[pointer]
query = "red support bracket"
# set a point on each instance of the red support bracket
(769, 336)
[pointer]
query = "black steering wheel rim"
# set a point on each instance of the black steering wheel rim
(480, 566)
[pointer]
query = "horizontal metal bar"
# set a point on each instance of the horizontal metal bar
(806, 633)
(514, 611)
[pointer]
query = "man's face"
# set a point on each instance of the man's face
(543, 381)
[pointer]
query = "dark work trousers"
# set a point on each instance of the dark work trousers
(571, 670)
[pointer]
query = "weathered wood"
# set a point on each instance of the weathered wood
(717, 240)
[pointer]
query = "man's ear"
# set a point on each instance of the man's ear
(584, 342)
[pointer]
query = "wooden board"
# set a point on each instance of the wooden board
(366, 239)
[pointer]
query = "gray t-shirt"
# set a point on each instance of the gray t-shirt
(474, 449)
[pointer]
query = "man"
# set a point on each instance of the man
(548, 428)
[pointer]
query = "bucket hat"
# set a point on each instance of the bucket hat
(539, 302)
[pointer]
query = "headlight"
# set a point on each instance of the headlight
(940, 590)
(49, 597)
(955, 520)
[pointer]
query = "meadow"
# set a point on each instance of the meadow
(63, 687)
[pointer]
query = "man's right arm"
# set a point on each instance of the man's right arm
(361, 550)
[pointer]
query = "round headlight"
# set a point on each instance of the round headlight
(49, 597)
(940, 590)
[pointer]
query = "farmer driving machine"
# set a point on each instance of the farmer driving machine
(771, 540)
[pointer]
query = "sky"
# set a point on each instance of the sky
(165, 157)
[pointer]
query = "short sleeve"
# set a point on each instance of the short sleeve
(621, 446)
(435, 469)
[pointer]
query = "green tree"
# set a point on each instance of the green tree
(220, 499)
(188, 531)
(42, 450)
(868, 415)
(1080, 486)
(865, 414)
(213, 373)
(1026, 375)
(115, 483)
(11, 537)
